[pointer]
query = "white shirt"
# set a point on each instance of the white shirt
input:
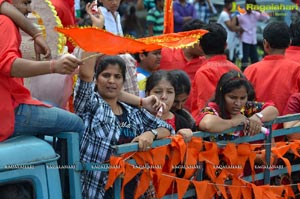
(111, 24)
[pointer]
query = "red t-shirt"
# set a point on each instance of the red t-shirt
(12, 90)
(293, 104)
(206, 79)
(172, 59)
(292, 53)
(275, 78)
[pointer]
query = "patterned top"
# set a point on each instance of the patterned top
(250, 109)
(149, 4)
(156, 18)
(102, 131)
(130, 85)
(203, 11)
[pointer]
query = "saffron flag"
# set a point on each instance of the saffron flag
(93, 39)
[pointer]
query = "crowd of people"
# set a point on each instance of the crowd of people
(152, 95)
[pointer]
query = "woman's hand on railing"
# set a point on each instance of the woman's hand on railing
(187, 134)
(252, 127)
(153, 104)
(145, 140)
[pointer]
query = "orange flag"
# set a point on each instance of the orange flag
(168, 17)
(143, 158)
(204, 189)
(116, 168)
(182, 185)
(280, 151)
(93, 39)
(131, 172)
(230, 152)
(294, 146)
(143, 183)
(258, 191)
(165, 182)
(210, 154)
(235, 189)
(220, 183)
(271, 192)
(289, 191)
(247, 191)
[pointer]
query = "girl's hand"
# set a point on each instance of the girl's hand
(238, 120)
(252, 127)
(187, 134)
(95, 15)
(153, 104)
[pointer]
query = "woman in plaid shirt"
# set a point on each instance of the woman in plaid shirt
(108, 121)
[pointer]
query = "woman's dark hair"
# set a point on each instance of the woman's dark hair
(103, 62)
(182, 81)
(227, 83)
(156, 77)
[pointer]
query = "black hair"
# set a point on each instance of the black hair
(137, 56)
(214, 42)
(156, 77)
(277, 35)
(182, 81)
(227, 83)
(103, 62)
(227, 2)
(193, 25)
(295, 34)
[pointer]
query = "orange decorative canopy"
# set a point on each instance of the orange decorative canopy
(97, 40)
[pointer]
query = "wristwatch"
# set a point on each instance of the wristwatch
(155, 133)
(260, 116)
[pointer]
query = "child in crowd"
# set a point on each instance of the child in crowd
(182, 91)
(162, 85)
(112, 22)
(147, 63)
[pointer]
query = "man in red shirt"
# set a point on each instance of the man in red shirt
(187, 59)
(19, 112)
(292, 52)
(208, 75)
(275, 77)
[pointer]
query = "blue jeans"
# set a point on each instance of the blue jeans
(40, 120)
